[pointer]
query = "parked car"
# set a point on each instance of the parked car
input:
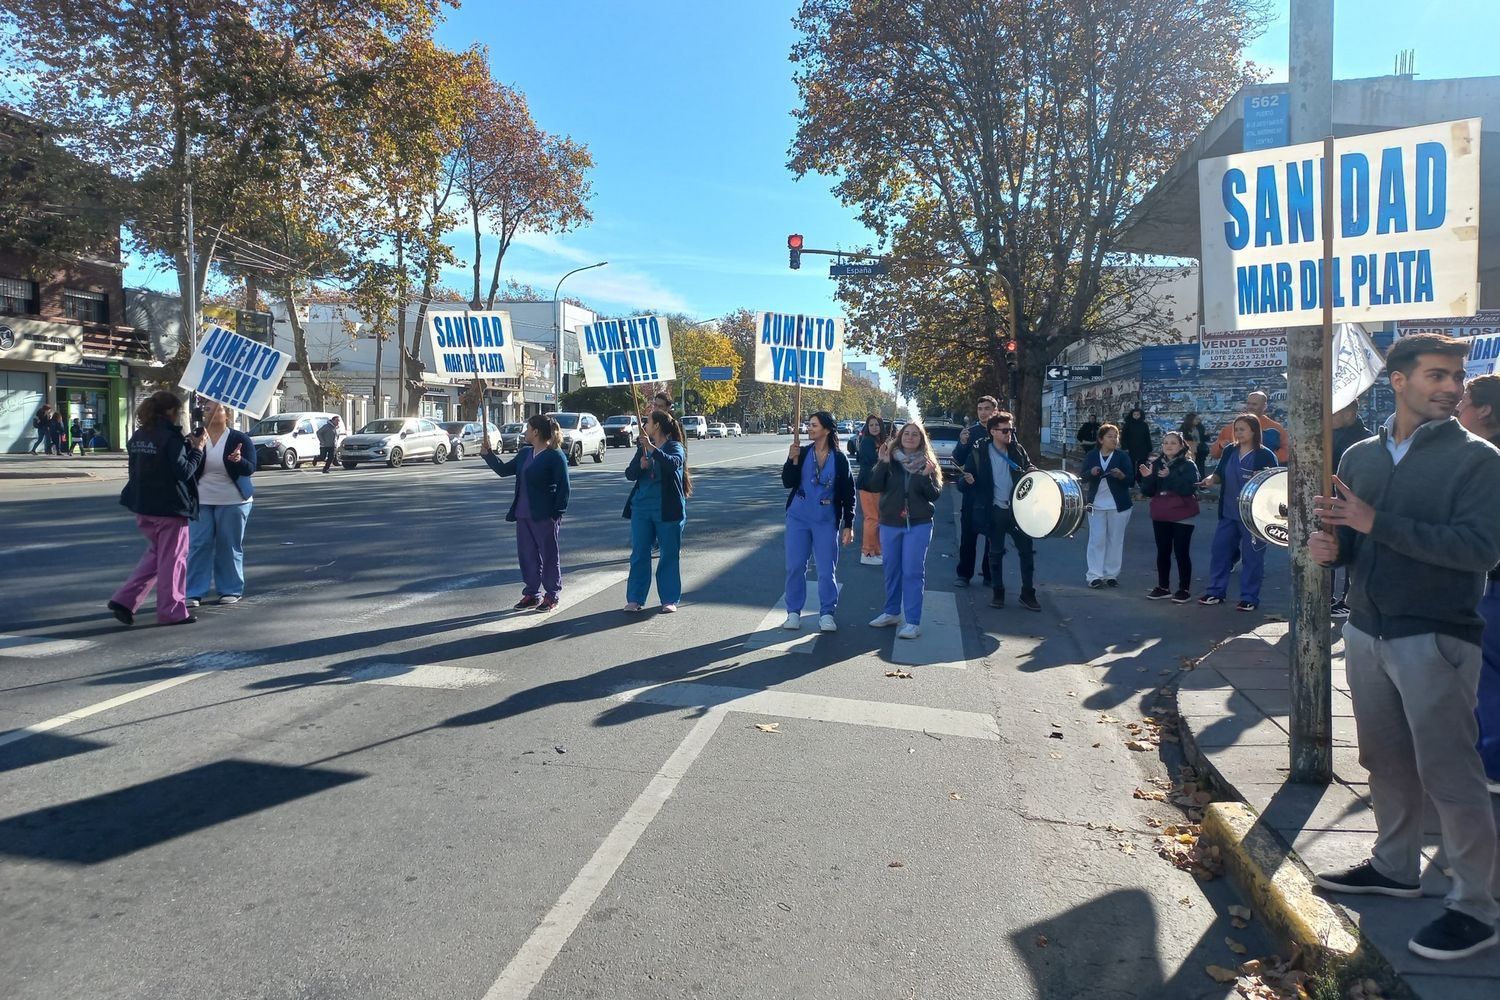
(288, 439)
(944, 438)
(718, 431)
(695, 427)
(582, 435)
(393, 440)
(467, 437)
(621, 430)
(735, 430)
(847, 427)
(512, 436)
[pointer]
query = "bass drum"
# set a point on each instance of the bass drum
(1048, 504)
(1263, 506)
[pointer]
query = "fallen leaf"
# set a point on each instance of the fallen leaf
(1126, 847)
(955, 796)
(1095, 745)
(1235, 946)
(1219, 974)
(1054, 735)
(905, 675)
(768, 727)
(1238, 923)
(1105, 718)
(1137, 746)
(895, 864)
(1055, 756)
(1150, 796)
(1041, 941)
(1243, 912)
(1251, 968)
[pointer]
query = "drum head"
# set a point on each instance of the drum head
(1038, 503)
(1268, 507)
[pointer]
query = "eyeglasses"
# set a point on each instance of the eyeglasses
(1004, 430)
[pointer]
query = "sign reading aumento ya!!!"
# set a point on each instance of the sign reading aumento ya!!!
(1405, 236)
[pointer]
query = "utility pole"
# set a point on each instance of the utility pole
(1310, 87)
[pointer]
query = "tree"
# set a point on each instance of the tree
(696, 349)
(996, 146)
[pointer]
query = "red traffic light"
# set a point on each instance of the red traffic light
(794, 241)
(1010, 346)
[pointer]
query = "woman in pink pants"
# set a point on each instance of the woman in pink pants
(163, 492)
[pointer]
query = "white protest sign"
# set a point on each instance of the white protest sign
(488, 350)
(808, 349)
(1484, 356)
(1356, 364)
(1405, 239)
(235, 371)
(1226, 351)
(626, 351)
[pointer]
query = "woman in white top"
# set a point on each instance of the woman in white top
(1107, 475)
(216, 556)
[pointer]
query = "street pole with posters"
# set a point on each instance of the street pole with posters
(1310, 422)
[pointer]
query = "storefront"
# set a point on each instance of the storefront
(30, 352)
(94, 394)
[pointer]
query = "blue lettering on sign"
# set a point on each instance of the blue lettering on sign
(1354, 185)
(1237, 229)
(1267, 207)
(233, 367)
(1390, 204)
(1432, 185)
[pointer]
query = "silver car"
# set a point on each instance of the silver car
(466, 437)
(512, 436)
(393, 440)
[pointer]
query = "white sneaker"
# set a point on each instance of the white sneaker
(871, 561)
(885, 621)
(1494, 787)
(827, 624)
(908, 631)
(793, 622)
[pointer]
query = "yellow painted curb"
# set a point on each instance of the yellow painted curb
(1278, 887)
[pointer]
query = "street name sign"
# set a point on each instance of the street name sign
(1074, 371)
(716, 374)
(870, 270)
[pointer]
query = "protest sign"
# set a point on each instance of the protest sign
(1405, 232)
(473, 344)
(626, 351)
(1226, 351)
(799, 350)
(235, 371)
(1356, 364)
(1484, 356)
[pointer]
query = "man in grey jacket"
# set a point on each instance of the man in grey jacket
(1414, 520)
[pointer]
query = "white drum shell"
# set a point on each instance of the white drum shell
(1048, 504)
(1263, 503)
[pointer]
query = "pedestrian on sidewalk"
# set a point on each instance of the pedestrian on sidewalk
(57, 432)
(537, 509)
(1231, 537)
(1348, 428)
(1272, 434)
(870, 441)
(1480, 414)
(1419, 548)
(974, 508)
(1171, 481)
(162, 491)
(910, 481)
(1135, 438)
(328, 441)
(216, 539)
(1088, 432)
(1109, 508)
(1196, 436)
(819, 518)
(988, 482)
(75, 437)
(657, 511)
(41, 422)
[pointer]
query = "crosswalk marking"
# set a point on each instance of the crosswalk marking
(941, 643)
(423, 675)
(769, 635)
(41, 645)
(576, 590)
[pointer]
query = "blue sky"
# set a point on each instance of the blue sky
(687, 109)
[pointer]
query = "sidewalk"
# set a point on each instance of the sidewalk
(40, 469)
(1234, 710)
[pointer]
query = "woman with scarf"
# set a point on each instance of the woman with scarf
(657, 511)
(1236, 467)
(541, 497)
(909, 481)
(819, 517)
(1171, 482)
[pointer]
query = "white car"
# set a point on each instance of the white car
(718, 431)
(393, 440)
(735, 431)
(695, 427)
(288, 439)
(944, 438)
(582, 435)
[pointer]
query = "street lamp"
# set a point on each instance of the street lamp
(557, 318)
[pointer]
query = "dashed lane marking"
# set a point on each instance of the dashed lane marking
(41, 645)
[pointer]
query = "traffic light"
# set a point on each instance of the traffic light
(1010, 354)
(794, 248)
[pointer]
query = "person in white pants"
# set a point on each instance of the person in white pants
(1107, 474)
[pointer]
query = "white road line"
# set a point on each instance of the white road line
(412, 600)
(818, 708)
(695, 466)
(770, 635)
(575, 591)
(439, 676)
(41, 645)
(536, 956)
(941, 643)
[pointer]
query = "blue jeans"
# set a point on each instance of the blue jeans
(905, 553)
(1489, 684)
(216, 554)
(1231, 534)
(646, 528)
(821, 541)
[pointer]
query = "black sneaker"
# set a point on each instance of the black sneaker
(122, 614)
(1339, 610)
(1209, 600)
(1248, 605)
(961, 582)
(1181, 597)
(526, 602)
(998, 601)
(1453, 935)
(1029, 601)
(1096, 584)
(1111, 582)
(1158, 593)
(1364, 880)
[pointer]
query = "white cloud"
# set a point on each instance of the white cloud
(605, 289)
(553, 245)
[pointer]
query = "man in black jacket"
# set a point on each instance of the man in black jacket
(989, 479)
(973, 516)
(1414, 519)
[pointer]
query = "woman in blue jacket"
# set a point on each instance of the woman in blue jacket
(537, 509)
(1236, 468)
(216, 540)
(1107, 477)
(657, 510)
(819, 517)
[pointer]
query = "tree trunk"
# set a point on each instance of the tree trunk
(1031, 366)
(478, 253)
(310, 378)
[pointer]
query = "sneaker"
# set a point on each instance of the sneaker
(1247, 605)
(631, 607)
(1111, 582)
(793, 621)
(871, 561)
(1209, 600)
(827, 624)
(1096, 584)
(1453, 935)
(122, 614)
(190, 619)
(908, 631)
(1494, 787)
(1339, 610)
(883, 620)
(1181, 597)
(194, 602)
(1158, 593)
(1364, 880)
(960, 583)
(669, 609)
(998, 601)
(547, 604)
(230, 599)
(526, 603)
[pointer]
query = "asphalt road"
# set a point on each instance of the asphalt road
(371, 779)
